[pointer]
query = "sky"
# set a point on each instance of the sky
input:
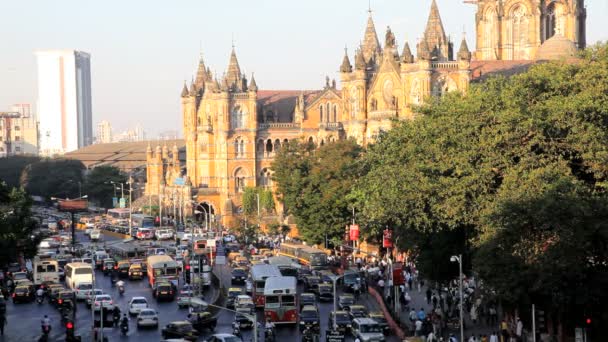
(143, 50)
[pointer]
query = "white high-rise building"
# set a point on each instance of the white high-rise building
(64, 101)
(104, 132)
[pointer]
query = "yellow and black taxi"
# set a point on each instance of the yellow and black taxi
(341, 319)
(24, 293)
(136, 272)
(381, 320)
(233, 293)
(164, 291)
(238, 275)
(180, 329)
(123, 268)
(64, 298)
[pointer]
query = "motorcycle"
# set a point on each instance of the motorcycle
(124, 328)
(308, 335)
(39, 299)
(236, 331)
(269, 334)
(46, 330)
(116, 319)
(121, 290)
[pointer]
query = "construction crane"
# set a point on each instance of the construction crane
(6, 117)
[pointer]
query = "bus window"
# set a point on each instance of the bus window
(288, 300)
(272, 301)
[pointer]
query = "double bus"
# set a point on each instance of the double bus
(45, 271)
(78, 273)
(161, 267)
(287, 266)
(280, 300)
(259, 274)
(306, 255)
(142, 221)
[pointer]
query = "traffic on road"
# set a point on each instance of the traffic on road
(191, 285)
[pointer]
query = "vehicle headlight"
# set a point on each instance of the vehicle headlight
(301, 322)
(348, 325)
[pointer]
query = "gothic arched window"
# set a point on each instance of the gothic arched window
(240, 180)
(489, 34)
(519, 32)
(321, 113)
(335, 117)
(328, 116)
(238, 118)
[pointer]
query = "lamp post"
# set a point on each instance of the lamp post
(334, 280)
(458, 258)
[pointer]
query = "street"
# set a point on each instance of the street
(24, 319)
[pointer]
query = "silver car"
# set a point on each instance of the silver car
(147, 318)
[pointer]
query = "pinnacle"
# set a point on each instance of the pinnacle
(371, 44)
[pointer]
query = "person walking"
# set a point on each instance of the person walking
(428, 295)
(494, 337)
(519, 328)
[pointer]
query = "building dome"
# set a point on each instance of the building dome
(556, 47)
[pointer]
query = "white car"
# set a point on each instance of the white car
(224, 338)
(103, 300)
(92, 294)
(164, 234)
(136, 304)
(95, 235)
(83, 290)
(88, 230)
(147, 318)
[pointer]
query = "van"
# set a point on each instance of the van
(82, 290)
(367, 329)
(99, 257)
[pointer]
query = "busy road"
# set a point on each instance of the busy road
(24, 320)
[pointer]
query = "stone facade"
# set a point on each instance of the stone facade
(515, 29)
(233, 130)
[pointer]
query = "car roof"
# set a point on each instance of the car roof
(309, 307)
(180, 323)
(358, 306)
(364, 320)
(235, 289)
(376, 313)
(139, 297)
(147, 309)
(308, 294)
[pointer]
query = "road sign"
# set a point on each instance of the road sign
(333, 336)
(114, 202)
(220, 260)
(122, 202)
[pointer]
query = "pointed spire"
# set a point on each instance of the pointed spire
(233, 74)
(193, 89)
(371, 45)
(423, 50)
(185, 90)
(434, 34)
(464, 53)
(252, 85)
(201, 73)
(406, 55)
(346, 66)
(359, 61)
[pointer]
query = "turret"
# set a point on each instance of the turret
(359, 61)
(464, 53)
(346, 67)
(434, 36)
(406, 55)
(371, 46)
(253, 86)
(185, 90)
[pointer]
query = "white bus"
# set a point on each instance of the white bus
(78, 272)
(45, 271)
(161, 267)
(281, 304)
(259, 274)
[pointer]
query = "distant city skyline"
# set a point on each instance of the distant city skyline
(139, 65)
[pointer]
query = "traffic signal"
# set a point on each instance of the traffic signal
(69, 328)
(588, 320)
(187, 274)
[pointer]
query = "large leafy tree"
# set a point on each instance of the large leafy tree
(11, 168)
(514, 172)
(17, 241)
(98, 184)
(314, 185)
(54, 178)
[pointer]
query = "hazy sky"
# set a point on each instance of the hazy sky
(142, 50)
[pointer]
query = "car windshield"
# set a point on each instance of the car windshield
(147, 313)
(370, 328)
(139, 301)
(231, 339)
(239, 272)
(308, 298)
(184, 328)
(85, 286)
(21, 289)
(308, 314)
(347, 300)
(102, 298)
(379, 318)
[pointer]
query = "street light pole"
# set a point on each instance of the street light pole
(335, 279)
(458, 258)
(130, 207)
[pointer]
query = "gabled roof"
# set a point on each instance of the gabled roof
(282, 101)
(483, 69)
(321, 94)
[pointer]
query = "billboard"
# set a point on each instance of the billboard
(73, 205)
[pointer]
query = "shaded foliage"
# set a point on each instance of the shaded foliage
(53, 178)
(16, 225)
(11, 168)
(98, 184)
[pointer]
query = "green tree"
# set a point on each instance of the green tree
(17, 239)
(266, 200)
(250, 205)
(314, 185)
(98, 184)
(11, 168)
(53, 178)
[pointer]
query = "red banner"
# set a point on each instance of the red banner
(354, 232)
(73, 205)
(387, 238)
(398, 278)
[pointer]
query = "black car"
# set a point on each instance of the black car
(123, 269)
(307, 299)
(345, 301)
(180, 329)
(309, 318)
(203, 320)
(243, 321)
(63, 297)
(311, 283)
(108, 266)
(343, 322)
(239, 275)
(358, 311)
(164, 291)
(381, 320)
(326, 292)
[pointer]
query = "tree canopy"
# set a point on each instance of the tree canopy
(16, 225)
(11, 168)
(314, 185)
(98, 184)
(53, 178)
